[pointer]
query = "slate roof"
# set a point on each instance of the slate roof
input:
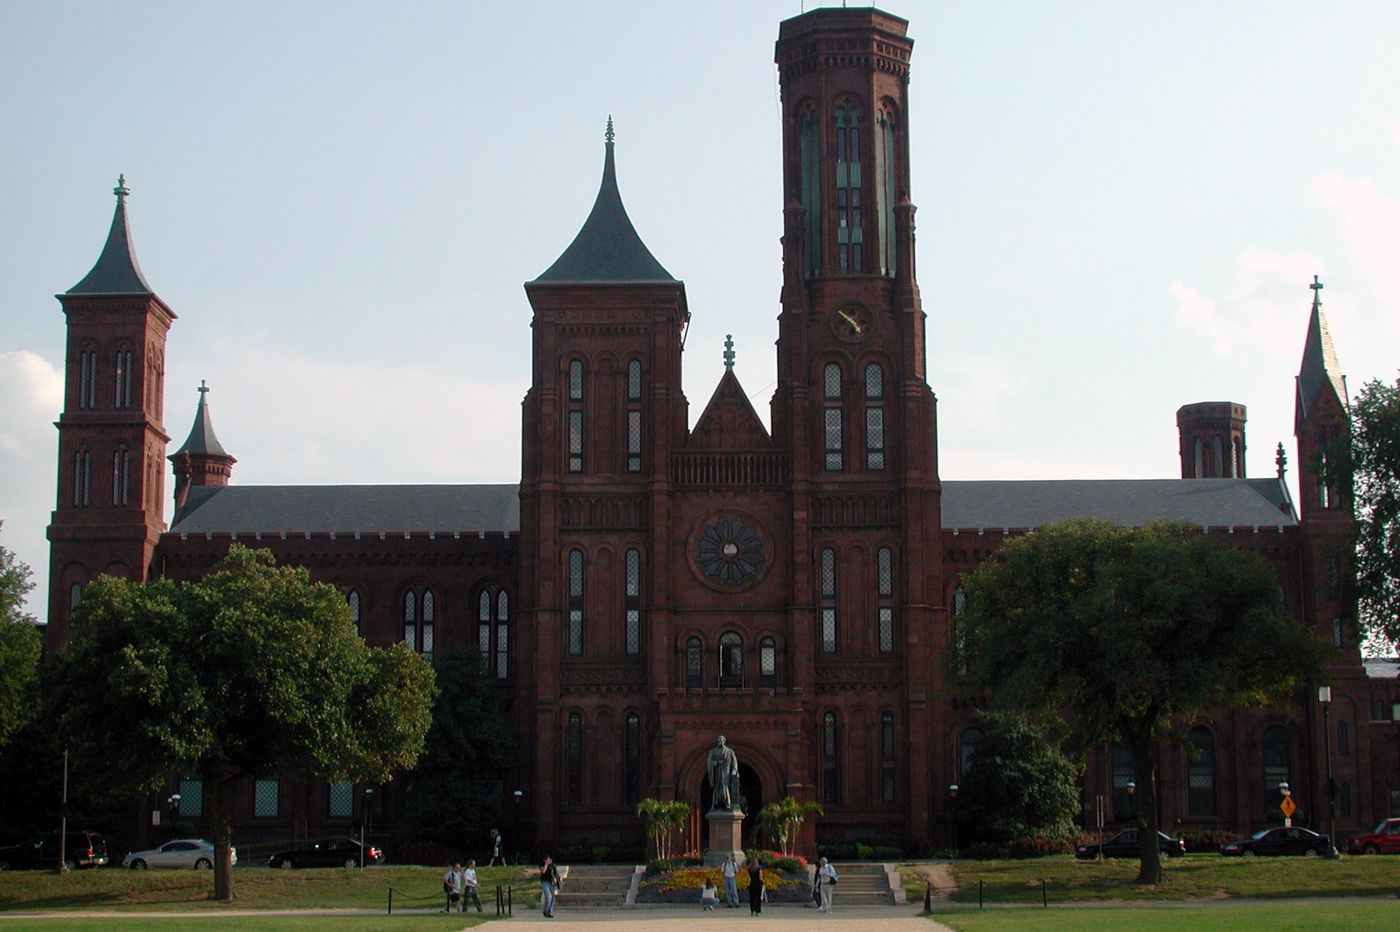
(116, 271)
(607, 248)
(1132, 502)
(201, 439)
(371, 509)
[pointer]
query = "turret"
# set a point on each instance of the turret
(201, 459)
(1212, 440)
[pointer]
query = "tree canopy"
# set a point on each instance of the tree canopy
(456, 793)
(1129, 632)
(19, 645)
(1375, 470)
(251, 671)
(1018, 784)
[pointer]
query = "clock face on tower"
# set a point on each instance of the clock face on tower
(851, 322)
(729, 551)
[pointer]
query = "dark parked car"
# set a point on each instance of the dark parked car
(1125, 845)
(1383, 839)
(1275, 841)
(83, 849)
(327, 852)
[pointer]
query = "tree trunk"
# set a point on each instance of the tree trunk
(222, 831)
(1145, 774)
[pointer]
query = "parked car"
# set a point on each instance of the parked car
(1276, 841)
(1383, 839)
(327, 852)
(83, 849)
(1125, 845)
(181, 853)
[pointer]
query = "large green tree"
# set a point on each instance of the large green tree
(1018, 783)
(456, 793)
(1130, 632)
(252, 670)
(19, 645)
(1375, 469)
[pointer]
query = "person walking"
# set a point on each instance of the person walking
(755, 888)
(826, 876)
(471, 887)
(549, 886)
(730, 871)
(498, 849)
(452, 886)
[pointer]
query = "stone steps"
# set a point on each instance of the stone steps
(597, 886)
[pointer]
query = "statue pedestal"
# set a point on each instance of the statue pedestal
(726, 836)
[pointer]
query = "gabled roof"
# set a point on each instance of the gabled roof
(370, 509)
(729, 421)
(201, 440)
(1020, 504)
(1320, 366)
(607, 248)
(116, 271)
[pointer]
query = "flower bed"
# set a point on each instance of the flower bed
(683, 886)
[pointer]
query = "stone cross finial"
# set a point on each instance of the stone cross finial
(609, 134)
(1281, 460)
(203, 390)
(1316, 287)
(121, 190)
(729, 351)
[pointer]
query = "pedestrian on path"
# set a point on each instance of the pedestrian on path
(498, 849)
(755, 888)
(452, 886)
(826, 876)
(730, 871)
(471, 887)
(549, 886)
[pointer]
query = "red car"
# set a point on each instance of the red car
(1383, 839)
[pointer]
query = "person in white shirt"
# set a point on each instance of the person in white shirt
(471, 889)
(709, 896)
(826, 876)
(730, 871)
(452, 886)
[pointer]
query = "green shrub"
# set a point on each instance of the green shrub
(863, 851)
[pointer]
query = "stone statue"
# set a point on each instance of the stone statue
(723, 769)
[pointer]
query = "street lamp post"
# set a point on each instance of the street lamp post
(364, 823)
(1132, 802)
(173, 803)
(953, 811)
(1285, 792)
(1324, 699)
(517, 827)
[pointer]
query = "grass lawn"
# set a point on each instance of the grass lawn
(216, 923)
(255, 888)
(1269, 918)
(1194, 877)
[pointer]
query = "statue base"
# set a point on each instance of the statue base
(726, 836)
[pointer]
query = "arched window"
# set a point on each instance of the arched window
(767, 663)
(575, 633)
(632, 760)
(809, 154)
(576, 412)
(82, 477)
(121, 476)
(1236, 461)
(731, 660)
(827, 582)
(886, 171)
(632, 597)
(694, 665)
(493, 631)
(1197, 460)
(1124, 802)
(1277, 760)
(1217, 455)
(887, 759)
(874, 417)
(1343, 740)
(959, 631)
(1200, 772)
(87, 377)
(573, 757)
(831, 418)
(634, 416)
(122, 371)
(967, 750)
(352, 599)
(884, 598)
(831, 770)
(849, 257)
(419, 620)
(75, 595)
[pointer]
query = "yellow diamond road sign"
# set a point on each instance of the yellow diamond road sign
(1288, 806)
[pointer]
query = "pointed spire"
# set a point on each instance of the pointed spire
(1320, 364)
(201, 440)
(116, 271)
(607, 247)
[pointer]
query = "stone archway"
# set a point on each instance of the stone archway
(750, 794)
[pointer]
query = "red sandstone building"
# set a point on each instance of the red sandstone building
(648, 585)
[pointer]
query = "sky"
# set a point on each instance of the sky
(1120, 208)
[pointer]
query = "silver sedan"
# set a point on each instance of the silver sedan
(181, 853)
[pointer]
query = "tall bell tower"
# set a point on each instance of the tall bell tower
(111, 441)
(852, 405)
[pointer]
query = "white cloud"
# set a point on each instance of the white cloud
(1260, 307)
(1392, 126)
(33, 391)
(1367, 221)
